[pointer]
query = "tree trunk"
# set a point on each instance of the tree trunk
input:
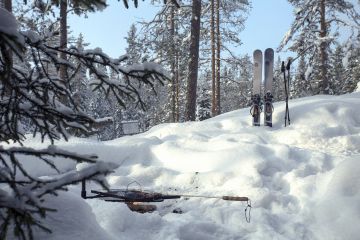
(177, 79)
(8, 55)
(63, 38)
(324, 83)
(173, 63)
(194, 61)
(218, 49)
(213, 76)
(7, 5)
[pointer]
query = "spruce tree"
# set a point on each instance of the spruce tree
(203, 108)
(301, 86)
(278, 82)
(337, 71)
(352, 66)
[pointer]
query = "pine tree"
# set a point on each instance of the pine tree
(217, 58)
(158, 37)
(223, 34)
(165, 39)
(194, 61)
(213, 56)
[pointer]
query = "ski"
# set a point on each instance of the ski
(256, 99)
(268, 97)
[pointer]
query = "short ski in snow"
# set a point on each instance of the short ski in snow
(256, 98)
(268, 97)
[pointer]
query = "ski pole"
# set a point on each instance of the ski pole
(286, 91)
(226, 198)
(287, 105)
(230, 198)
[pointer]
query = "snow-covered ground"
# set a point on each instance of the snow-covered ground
(303, 180)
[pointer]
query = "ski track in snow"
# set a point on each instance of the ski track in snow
(303, 180)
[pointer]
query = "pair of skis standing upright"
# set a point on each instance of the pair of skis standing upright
(257, 102)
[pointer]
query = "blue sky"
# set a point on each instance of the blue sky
(266, 25)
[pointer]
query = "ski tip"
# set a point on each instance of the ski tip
(269, 52)
(257, 51)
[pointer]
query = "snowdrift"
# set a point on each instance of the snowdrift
(303, 180)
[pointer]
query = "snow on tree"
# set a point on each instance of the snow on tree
(337, 72)
(203, 107)
(278, 82)
(236, 84)
(79, 83)
(166, 37)
(221, 25)
(134, 48)
(301, 85)
(154, 110)
(351, 62)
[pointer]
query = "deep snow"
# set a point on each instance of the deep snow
(303, 180)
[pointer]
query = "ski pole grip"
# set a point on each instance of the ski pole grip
(288, 65)
(240, 199)
(282, 66)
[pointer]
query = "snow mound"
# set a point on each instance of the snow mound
(73, 220)
(303, 179)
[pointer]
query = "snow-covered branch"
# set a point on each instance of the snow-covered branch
(31, 91)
